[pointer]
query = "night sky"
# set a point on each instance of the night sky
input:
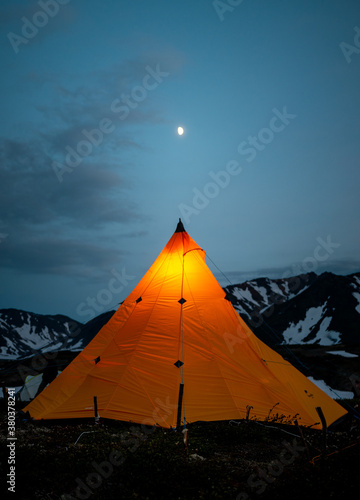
(94, 177)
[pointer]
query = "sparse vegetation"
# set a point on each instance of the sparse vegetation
(223, 460)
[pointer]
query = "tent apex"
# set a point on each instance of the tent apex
(180, 227)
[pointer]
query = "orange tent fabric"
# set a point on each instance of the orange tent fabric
(177, 333)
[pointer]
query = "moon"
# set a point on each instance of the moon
(180, 130)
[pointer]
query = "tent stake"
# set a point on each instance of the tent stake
(323, 423)
(181, 392)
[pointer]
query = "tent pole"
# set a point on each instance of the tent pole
(96, 409)
(181, 393)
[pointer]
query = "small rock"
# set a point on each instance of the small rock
(195, 456)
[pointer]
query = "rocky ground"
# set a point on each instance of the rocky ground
(222, 460)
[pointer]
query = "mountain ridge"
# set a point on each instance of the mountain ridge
(305, 309)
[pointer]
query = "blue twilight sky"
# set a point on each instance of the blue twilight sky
(94, 177)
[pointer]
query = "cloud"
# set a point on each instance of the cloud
(94, 91)
(50, 224)
(12, 19)
(68, 227)
(32, 195)
(80, 102)
(43, 254)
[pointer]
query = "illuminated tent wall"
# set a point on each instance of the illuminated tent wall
(176, 349)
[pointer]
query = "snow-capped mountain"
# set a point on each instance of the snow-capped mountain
(254, 300)
(306, 309)
(23, 334)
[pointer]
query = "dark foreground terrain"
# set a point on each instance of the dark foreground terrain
(223, 460)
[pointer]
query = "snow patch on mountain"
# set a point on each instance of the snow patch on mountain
(262, 292)
(245, 294)
(326, 336)
(356, 285)
(357, 297)
(344, 354)
(253, 298)
(335, 394)
(23, 334)
(296, 333)
(304, 309)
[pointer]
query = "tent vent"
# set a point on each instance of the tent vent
(97, 360)
(138, 300)
(178, 363)
(180, 227)
(182, 301)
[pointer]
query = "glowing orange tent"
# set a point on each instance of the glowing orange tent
(175, 351)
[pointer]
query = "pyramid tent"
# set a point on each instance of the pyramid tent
(176, 351)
